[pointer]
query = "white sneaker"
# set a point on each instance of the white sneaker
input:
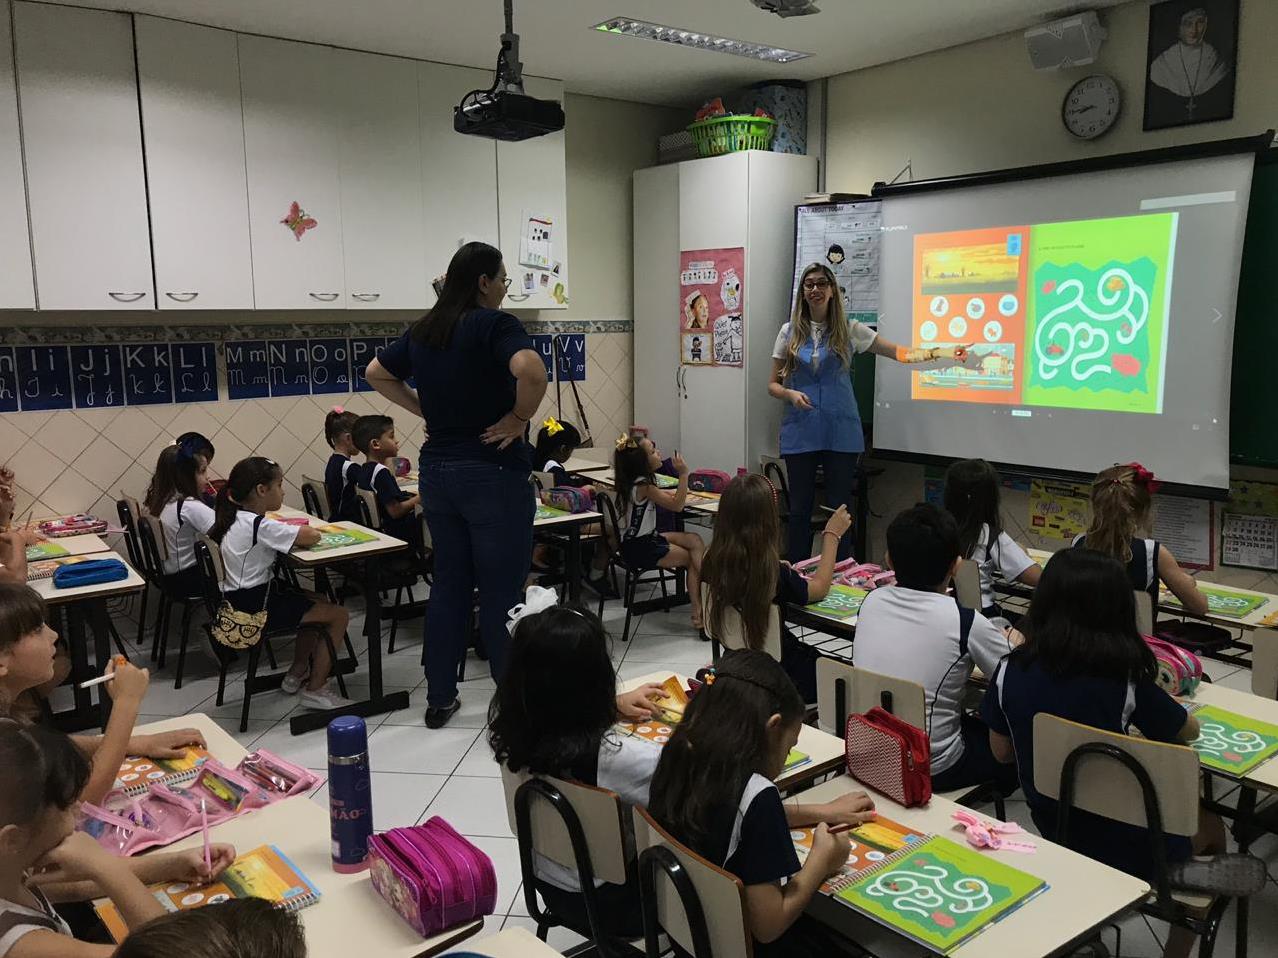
(323, 699)
(291, 684)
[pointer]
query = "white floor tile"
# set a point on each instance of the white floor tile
(163, 699)
(479, 761)
(398, 799)
(415, 748)
(248, 739)
(504, 853)
(560, 939)
(273, 705)
(1240, 680)
(309, 750)
(683, 651)
(473, 712)
(520, 905)
(473, 806)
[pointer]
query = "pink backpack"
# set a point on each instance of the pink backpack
(432, 876)
(569, 499)
(1179, 670)
(708, 480)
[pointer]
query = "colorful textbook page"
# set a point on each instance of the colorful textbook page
(138, 773)
(264, 872)
(937, 892)
(549, 512)
(1232, 743)
(1069, 315)
(871, 843)
(842, 602)
(1221, 602)
(660, 732)
(337, 537)
(46, 550)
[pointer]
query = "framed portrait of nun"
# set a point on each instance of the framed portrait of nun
(1191, 62)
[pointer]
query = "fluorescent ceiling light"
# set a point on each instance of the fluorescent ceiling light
(698, 41)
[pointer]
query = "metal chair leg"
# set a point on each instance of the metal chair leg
(250, 677)
(187, 610)
(390, 646)
(142, 616)
(162, 630)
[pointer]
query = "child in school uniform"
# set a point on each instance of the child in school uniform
(200, 446)
(13, 542)
(635, 462)
(1122, 500)
(43, 859)
(972, 498)
(555, 713)
(174, 497)
(713, 792)
(251, 544)
(375, 437)
(556, 442)
(341, 473)
(743, 571)
(239, 928)
(28, 654)
(916, 631)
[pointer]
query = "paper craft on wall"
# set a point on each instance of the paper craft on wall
(298, 221)
(1058, 510)
(1187, 527)
(536, 240)
(844, 237)
(712, 307)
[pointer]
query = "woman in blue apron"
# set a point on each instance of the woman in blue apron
(811, 364)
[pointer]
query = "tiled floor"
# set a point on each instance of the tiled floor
(419, 773)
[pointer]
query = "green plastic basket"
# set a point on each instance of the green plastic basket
(731, 134)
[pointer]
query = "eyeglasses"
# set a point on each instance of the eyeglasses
(507, 282)
(812, 285)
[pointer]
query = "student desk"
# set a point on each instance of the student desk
(82, 545)
(1082, 895)
(350, 918)
(586, 467)
(512, 943)
(570, 527)
(88, 604)
(220, 744)
(825, 751)
(371, 554)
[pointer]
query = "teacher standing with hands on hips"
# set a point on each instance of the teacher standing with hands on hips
(479, 382)
(811, 373)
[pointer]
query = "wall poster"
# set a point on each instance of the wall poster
(712, 307)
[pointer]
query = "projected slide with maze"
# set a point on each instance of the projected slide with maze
(1064, 315)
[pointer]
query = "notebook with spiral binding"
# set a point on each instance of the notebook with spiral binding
(264, 872)
(937, 892)
(138, 773)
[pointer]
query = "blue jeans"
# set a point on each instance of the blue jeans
(480, 517)
(840, 480)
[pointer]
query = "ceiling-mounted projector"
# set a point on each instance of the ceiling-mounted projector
(504, 111)
(788, 8)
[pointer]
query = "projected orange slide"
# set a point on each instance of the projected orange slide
(970, 287)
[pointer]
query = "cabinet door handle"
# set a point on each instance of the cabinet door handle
(324, 297)
(126, 297)
(181, 297)
(366, 297)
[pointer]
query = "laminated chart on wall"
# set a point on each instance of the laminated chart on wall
(712, 307)
(1058, 510)
(1188, 528)
(568, 348)
(845, 237)
(1249, 525)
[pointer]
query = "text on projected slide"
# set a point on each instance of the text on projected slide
(1066, 315)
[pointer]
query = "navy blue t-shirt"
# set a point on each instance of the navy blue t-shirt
(1018, 691)
(340, 475)
(380, 481)
(466, 387)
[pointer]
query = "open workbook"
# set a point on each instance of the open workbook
(1231, 743)
(928, 888)
(137, 773)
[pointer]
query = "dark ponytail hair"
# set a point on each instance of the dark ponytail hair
(630, 463)
(336, 423)
(460, 294)
(175, 472)
(567, 437)
(40, 769)
(247, 475)
(972, 498)
(192, 444)
(722, 740)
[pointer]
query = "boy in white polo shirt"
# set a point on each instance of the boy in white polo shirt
(916, 631)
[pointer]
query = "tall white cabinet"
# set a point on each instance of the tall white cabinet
(17, 286)
(82, 143)
(718, 417)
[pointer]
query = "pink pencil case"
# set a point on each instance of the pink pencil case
(432, 876)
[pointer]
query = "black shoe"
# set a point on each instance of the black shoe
(438, 717)
(604, 587)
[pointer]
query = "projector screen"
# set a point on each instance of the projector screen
(1100, 312)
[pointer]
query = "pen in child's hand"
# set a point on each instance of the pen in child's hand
(119, 660)
(204, 827)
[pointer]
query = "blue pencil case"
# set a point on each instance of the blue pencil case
(89, 572)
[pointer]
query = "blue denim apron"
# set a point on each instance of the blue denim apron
(834, 423)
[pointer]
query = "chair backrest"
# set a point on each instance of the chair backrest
(126, 509)
(152, 546)
(370, 514)
(1099, 782)
(843, 689)
(1264, 663)
(775, 474)
(543, 480)
(1144, 612)
(315, 498)
(605, 502)
(967, 585)
(696, 903)
(734, 636)
(208, 559)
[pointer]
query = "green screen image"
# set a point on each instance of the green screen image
(1097, 325)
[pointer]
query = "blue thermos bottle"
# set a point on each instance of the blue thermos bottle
(350, 798)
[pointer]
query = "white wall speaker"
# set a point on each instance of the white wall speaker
(1072, 41)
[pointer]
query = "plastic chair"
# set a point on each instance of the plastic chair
(315, 498)
(733, 635)
(1264, 663)
(154, 549)
(1151, 785)
(634, 577)
(1144, 612)
(701, 907)
(844, 690)
(578, 827)
(127, 509)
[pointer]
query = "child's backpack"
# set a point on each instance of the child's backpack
(708, 480)
(1179, 671)
(569, 499)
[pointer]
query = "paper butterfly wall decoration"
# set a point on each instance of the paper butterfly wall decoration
(297, 221)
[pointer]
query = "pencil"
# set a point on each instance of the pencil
(204, 827)
(98, 681)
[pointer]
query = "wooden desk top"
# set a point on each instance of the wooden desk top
(825, 751)
(102, 590)
(80, 545)
(571, 519)
(1082, 894)
(586, 466)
